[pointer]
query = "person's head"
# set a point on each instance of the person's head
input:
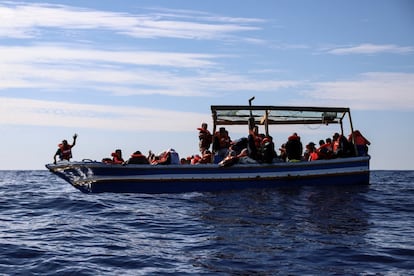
(204, 125)
(222, 130)
(65, 142)
(321, 142)
(118, 152)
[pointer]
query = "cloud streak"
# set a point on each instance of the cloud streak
(373, 90)
(376, 91)
(121, 72)
(371, 49)
(14, 111)
(29, 20)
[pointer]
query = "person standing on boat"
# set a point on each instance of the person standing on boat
(205, 138)
(65, 150)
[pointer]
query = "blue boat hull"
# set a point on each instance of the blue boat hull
(96, 177)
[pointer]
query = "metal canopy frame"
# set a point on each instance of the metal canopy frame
(278, 115)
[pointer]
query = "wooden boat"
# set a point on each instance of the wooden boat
(96, 177)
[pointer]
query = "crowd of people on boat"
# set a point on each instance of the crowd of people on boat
(255, 148)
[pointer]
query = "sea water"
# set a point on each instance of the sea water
(47, 227)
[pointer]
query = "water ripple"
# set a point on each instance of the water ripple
(48, 228)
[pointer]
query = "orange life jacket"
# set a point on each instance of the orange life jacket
(313, 156)
(65, 152)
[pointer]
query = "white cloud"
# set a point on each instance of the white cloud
(14, 111)
(372, 49)
(121, 73)
(75, 55)
(28, 20)
(375, 90)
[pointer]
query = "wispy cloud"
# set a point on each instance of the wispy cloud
(47, 54)
(30, 20)
(372, 49)
(375, 90)
(14, 111)
(121, 72)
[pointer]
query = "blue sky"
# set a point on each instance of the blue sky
(141, 75)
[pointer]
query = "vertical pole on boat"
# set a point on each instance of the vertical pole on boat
(214, 117)
(266, 123)
(251, 119)
(352, 133)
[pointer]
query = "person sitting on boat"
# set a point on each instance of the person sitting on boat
(205, 138)
(309, 150)
(116, 158)
(294, 148)
(361, 143)
(243, 158)
(267, 150)
(221, 143)
(137, 158)
(254, 141)
(341, 147)
(64, 150)
(230, 159)
(238, 145)
(206, 157)
(312, 153)
(283, 155)
(325, 149)
(168, 157)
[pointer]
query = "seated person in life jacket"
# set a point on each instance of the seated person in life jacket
(312, 153)
(116, 158)
(341, 147)
(325, 149)
(294, 148)
(137, 158)
(168, 157)
(267, 150)
(221, 142)
(65, 150)
(361, 143)
(254, 143)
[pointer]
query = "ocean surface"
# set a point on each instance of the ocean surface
(47, 227)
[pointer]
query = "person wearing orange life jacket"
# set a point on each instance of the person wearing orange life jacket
(361, 143)
(313, 155)
(205, 138)
(137, 158)
(221, 143)
(116, 158)
(325, 149)
(65, 150)
(341, 147)
(254, 142)
(168, 157)
(294, 148)
(205, 158)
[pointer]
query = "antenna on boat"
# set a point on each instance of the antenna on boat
(251, 118)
